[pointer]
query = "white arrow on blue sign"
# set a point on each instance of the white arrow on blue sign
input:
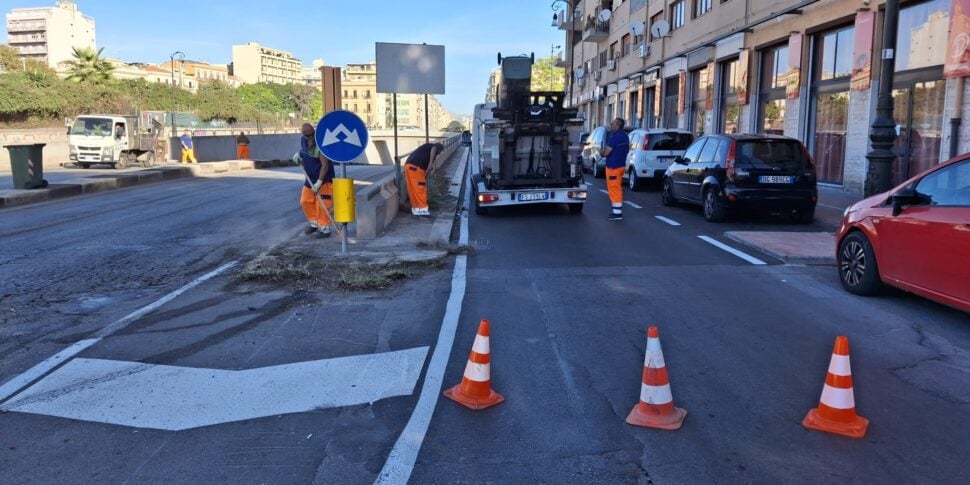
(342, 136)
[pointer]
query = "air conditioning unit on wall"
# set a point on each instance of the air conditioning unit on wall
(643, 50)
(611, 65)
(596, 75)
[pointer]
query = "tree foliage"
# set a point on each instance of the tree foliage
(546, 76)
(36, 94)
(88, 66)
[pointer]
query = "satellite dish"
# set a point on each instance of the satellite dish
(637, 28)
(605, 16)
(580, 72)
(660, 29)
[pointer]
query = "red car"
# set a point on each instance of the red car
(915, 237)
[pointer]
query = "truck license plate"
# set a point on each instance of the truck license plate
(776, 179)
(533, 196)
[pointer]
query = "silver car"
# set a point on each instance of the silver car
(652, 151)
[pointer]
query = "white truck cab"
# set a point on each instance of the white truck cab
(115, 140)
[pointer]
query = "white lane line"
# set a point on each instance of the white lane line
(35, 372)
(9, 388)
(400, 462)
(725, 247)
(668, 221)
(631, 204)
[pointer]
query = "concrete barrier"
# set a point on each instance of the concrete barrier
(376, 207)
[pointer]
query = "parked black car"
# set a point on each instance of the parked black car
(760, 172)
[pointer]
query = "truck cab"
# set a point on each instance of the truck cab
(114, 140)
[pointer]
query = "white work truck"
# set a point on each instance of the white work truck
(525, 147)
(115, 140)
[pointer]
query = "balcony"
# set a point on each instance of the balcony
(566, 21)
(596, 30)
(26, 26)
(561, 61)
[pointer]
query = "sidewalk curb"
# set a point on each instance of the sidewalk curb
(444, 223)
(88, 185)
(787, 259)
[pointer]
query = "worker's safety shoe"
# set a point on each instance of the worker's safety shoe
(323, 232)
(310, 229)
(615, 217)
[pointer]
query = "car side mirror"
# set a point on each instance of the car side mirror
(681, 161)
(902, 198)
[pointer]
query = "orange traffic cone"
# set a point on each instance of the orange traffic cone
(475, 390)
(656, 407)
(836, 409)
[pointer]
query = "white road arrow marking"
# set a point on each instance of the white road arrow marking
(177, 398)
(350, 136)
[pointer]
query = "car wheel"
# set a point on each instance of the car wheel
(636, 183)
(714, 208)
(667, 193)
(858, 270)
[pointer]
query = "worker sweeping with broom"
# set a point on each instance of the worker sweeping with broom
(316, 197)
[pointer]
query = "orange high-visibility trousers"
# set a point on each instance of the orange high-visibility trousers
(242, 152)
(614, 185)
(188, 154)
(311, 205)
(417, 178)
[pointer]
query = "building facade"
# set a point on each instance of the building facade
(359, 85)
(50, 34)
(253, 63)
(805, 69)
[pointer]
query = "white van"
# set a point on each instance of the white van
(652, 151)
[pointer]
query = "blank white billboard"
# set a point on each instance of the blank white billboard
(410, 68)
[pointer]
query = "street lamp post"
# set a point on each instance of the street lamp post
(181, 56)
(883, 132)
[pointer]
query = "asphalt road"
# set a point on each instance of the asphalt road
(56, 175)
(747, 348)
(569, 297)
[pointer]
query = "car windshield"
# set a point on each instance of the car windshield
(670, 141)
(771, 155)
(92, 127)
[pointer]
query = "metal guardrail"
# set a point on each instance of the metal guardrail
(448, 143)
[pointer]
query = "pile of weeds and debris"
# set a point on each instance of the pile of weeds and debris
(306, 272)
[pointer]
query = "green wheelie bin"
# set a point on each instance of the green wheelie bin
(27, 165)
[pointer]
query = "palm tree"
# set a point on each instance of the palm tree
(88, 66)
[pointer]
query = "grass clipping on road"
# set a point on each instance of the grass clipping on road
(310, 272)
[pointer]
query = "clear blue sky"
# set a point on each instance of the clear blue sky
(340, 32)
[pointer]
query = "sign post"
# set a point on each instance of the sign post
(342, 137)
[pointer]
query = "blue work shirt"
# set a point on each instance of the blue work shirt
(187, 141)
(310, 159)
(620, 143)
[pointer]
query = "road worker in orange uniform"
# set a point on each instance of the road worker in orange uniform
(242, 146)
(318, 182)
(416, 171)
(617, 148)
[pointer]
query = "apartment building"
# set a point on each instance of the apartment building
(359, 85)
(806, 69)
(50, 34)
(253, 63)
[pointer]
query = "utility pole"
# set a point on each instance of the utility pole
(883, 132)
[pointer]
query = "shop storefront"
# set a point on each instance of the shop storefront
(919, 88)
(773, 82)
(831, 72)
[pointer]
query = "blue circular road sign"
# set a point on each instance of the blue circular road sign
(342, 136)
